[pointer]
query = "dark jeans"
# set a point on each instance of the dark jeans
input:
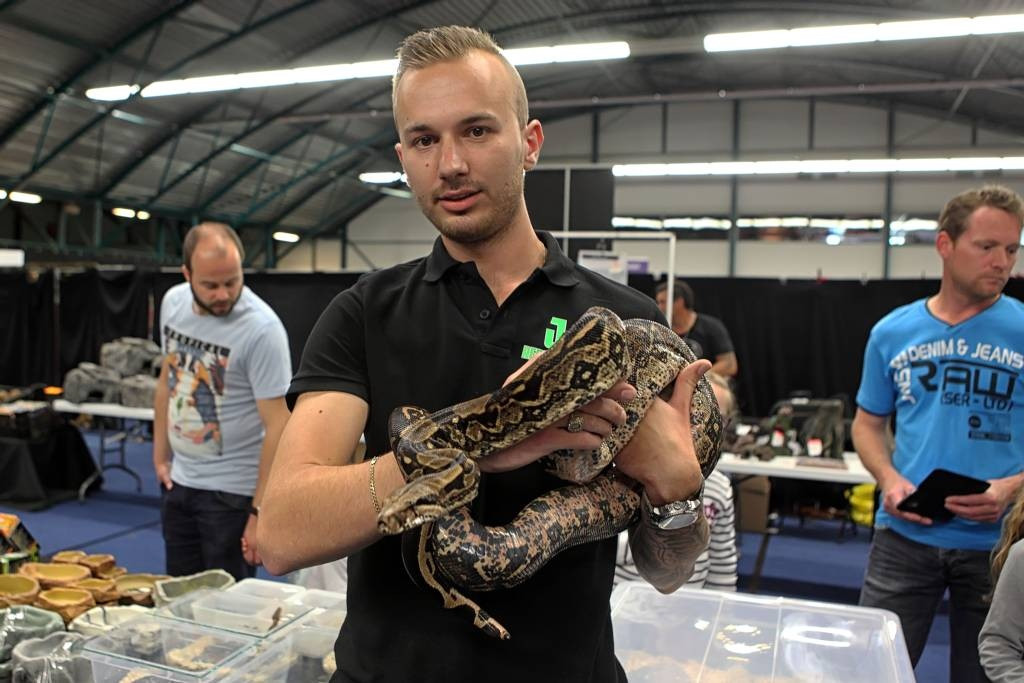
(203, 530)
(909, 578)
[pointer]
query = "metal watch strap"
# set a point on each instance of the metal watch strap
(676, 514)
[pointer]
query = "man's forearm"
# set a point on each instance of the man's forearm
(271, 437)
(873, 449)
(161, 444)
(318, 513)
(666, 557)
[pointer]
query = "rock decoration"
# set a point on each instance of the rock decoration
(54, 575)
(16, 589)
(172, 588)
(103, 591)
(67, 602)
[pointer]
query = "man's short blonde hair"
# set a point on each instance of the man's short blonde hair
(430, 46)
(953, 219)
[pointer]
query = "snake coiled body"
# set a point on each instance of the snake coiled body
(437, 452)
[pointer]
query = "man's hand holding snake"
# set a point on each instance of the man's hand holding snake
(661, 455)
(598, 418)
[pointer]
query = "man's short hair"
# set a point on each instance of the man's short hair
(953, 219)
(198, 232)
(447, 43)
(680, 290)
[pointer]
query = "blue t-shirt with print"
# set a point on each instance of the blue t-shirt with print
(958, 394)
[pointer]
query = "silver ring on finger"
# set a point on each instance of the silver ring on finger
(575, 423)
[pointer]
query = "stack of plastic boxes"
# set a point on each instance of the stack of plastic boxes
(708, 636)
(253, 631)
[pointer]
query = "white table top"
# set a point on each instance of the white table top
(787, 467)
(103, 410)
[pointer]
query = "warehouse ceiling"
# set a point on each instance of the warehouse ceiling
(289, 156)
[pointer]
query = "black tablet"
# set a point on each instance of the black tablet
(929, 498)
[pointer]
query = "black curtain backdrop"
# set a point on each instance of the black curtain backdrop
(98, 306)
(297, 298)
(796, 335)
(27, 349)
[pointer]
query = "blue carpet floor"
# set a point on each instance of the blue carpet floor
(809, 562)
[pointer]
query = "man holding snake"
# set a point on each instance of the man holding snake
(440, 330)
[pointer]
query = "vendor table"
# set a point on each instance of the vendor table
(110, 442)
(36, 473)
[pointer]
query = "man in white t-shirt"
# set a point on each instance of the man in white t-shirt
(219, 407)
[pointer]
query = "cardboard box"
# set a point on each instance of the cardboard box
(752, 496)
(14, 537)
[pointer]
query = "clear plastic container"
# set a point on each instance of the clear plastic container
(314, 597)
(260, 588)
(164, 649)
(236, 612)
(305, 654)
(694, 635)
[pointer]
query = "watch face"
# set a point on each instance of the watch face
(677, 521)
(676, 515)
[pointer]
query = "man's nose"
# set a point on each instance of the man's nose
(453, 162)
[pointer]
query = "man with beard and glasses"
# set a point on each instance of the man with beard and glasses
(440, 330)
(949, 368)
(219, 408)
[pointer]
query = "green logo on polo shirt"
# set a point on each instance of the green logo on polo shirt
(551, 335)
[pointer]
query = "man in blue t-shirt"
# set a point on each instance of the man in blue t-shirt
(950, 368)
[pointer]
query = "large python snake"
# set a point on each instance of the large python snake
(437, 454)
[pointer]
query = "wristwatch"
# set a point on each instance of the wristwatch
(678, 514)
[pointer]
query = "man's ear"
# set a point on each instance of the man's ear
(185, 272)
(398, 151)
(533, 136)
(943, 243)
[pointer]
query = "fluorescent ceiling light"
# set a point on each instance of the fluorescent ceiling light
(285, 236)
(123, 213)
(698, 223)
(382, 177)
(914, 224)
(833, 240)
(25, 197)
(897, 240)
(864, 33)
(3, 195)
(560, 54)
(142, 215)
(552, 54)
(817, 166)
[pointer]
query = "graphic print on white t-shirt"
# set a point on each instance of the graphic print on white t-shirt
(196, 371)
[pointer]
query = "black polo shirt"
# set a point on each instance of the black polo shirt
(429, 333)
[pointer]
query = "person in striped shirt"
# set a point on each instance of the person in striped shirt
(716, 567)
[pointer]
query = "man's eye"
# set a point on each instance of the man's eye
(477, 131)
(423, 141)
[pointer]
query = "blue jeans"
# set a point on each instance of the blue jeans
(203, 530)
(910, 578)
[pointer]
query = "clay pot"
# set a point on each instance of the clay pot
(67, 602)
(17, 590)
(68, 557)
(103, 590)
(99, 564)
(54, 575)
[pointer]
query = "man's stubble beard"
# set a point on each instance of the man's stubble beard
(504, 208)
(206, 307)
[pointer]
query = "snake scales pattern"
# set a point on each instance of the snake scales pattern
(437, 452)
